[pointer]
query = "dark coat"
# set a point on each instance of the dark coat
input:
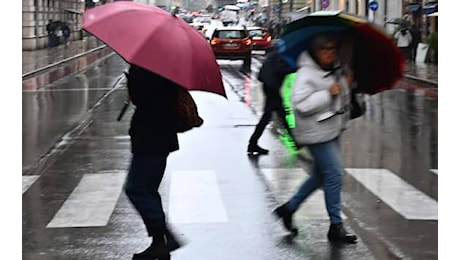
(416, 36)
(273, 70)
(153, 125)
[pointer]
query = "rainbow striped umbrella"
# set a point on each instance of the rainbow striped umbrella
(377, 62)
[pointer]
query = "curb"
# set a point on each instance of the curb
(47, 67)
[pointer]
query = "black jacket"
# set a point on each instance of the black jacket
(273, 70)
(153, 125)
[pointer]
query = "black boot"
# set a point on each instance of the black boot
(163, 242)
(286, 215)
(255, 149)
(337, 233)
(156, 251)
(171, 241)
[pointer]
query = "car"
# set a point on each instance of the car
(197, 26)
(188, 18)
(203, 18)
(261, 38)
(231, 43)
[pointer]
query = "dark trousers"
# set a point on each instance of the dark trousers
(141, 187)
(414, 52)
(273, 103)
(52, 40)
(406, 51)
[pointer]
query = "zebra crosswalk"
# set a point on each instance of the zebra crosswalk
(195, 196)
(91, 203)
(397, 193)
(27, 181)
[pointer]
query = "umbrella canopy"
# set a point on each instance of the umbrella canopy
(156, 40)
(376, 61)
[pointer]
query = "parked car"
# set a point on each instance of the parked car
(231, 43)
(261, 38)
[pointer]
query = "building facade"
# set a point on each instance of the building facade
(37, 13)
(415, 11)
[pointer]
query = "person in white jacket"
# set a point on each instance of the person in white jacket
(320, 98)
(403, 41)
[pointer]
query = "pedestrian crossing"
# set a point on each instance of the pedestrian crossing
(27, 181)
(91, 203)
(195, 196)
(397, 193)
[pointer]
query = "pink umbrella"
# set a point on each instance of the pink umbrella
(156, 40)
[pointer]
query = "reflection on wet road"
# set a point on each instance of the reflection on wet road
(49, 112)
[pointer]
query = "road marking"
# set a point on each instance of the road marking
(195, 197)
(434, 171)
(27, 181)
(284, 182)
(397, 193)
(91, 203)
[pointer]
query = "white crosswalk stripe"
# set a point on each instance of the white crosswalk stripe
(195, 197)
(27, 181)
(397, 193)
(91, 203)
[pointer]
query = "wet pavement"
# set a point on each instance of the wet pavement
(37, 59)
(70, 136)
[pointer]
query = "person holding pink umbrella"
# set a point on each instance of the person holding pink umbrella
(153, 137)
(165, 54)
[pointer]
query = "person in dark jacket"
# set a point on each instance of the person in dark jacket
(153, 138)
(416, 39)
(65, 29)
(271, 74)
(51, 28)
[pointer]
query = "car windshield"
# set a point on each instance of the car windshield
(256, 33)
(237, 34)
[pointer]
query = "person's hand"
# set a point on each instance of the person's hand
(334, 89)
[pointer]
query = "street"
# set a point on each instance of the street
(76, 155)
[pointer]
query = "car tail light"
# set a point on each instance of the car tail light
(213, 42)
(248, 42)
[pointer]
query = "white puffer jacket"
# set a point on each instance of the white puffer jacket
(319, 117)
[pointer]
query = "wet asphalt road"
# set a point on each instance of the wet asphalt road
(63, 142)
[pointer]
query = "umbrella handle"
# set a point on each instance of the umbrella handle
(123, 110)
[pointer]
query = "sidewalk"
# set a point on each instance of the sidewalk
(35, 60)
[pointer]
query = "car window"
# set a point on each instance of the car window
(228, 34)
(256, 33)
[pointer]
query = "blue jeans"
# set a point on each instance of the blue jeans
(141, 187)
(327, 173)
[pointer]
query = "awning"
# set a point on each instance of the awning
(413, 8)
(73, 11)
(430, 8)
(433, 14)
